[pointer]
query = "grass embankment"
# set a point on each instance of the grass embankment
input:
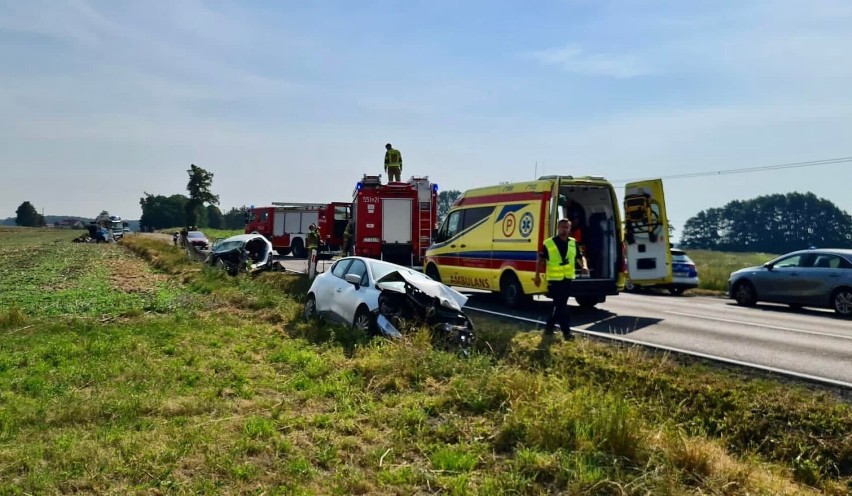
(715, 267)
(230, 392)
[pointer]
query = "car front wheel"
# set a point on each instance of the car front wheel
(745, 294)
(842, 301)
(362, 320)
(310, 311)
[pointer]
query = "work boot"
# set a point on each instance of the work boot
(548, 331)
(567, 336)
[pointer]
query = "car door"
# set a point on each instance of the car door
(348, 296)
(447, 248)
(646, 233)
(331, 287)
(780, 282)
(819, 280)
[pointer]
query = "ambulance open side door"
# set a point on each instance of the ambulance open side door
(646, 233)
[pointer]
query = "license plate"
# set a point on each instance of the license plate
(681, 274)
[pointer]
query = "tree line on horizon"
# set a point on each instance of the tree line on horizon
(777, 223)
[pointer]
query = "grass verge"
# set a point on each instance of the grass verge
(234, 394)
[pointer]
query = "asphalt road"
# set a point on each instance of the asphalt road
(812, 342)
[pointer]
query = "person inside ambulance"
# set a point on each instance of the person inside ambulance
(393, 163)
(559, 258)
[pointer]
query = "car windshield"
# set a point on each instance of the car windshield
(381, 269)
(195, 235)
(229, 245)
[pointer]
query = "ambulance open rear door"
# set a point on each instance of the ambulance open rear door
(646, 233)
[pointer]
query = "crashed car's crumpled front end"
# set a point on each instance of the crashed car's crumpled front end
(242, 253)
(408, 301)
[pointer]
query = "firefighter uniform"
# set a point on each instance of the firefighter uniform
(560, 257)
(393, 163)
(347, 238)
(312, 241)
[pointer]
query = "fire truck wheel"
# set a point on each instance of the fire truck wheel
(298, 248)
(433, 273)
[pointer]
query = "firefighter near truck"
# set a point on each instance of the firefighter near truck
(287, 225)
(394, 221)
(491, 237)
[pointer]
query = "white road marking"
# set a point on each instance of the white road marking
(789, 373)
(756, 324)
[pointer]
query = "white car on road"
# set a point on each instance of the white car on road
(347, 292)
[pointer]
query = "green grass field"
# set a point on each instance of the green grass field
(207, 384)
(715, 267)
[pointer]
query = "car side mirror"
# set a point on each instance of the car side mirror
(353, 279)
(769, 266)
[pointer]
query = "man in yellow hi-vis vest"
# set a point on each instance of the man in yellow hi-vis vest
(557, 257)
(393, 163)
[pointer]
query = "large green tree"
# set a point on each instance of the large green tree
(235, 218)
(27, 216)
(159, 211)
(200, 182)
(215, 219)
(773, 223)
(445, 202)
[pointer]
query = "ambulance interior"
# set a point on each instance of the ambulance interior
(591, 210)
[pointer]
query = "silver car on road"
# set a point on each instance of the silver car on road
(807, 278)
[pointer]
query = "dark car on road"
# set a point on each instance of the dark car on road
(807, 278)
(198, 240)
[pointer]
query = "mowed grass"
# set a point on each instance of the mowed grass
(44, 274)
(715, 267)
(234, 394)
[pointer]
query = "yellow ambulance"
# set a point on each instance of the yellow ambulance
(492, 235)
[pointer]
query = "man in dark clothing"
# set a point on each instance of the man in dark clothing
(557, 257)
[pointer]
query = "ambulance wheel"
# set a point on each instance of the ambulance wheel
(587, 302)
(511, 291)
(433, 273)
(298, 248)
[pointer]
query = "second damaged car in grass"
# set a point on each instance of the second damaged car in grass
(242, 253)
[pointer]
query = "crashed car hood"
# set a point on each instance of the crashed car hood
(448, 297)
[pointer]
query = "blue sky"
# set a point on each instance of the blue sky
(293, 101)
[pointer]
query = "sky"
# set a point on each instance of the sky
(102, 101)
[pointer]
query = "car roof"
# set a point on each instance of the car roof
(243, 237)
(844, 252)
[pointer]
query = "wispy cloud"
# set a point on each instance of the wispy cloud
(573, 59)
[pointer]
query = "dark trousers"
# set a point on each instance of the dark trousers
(559, 291)
(394, 174)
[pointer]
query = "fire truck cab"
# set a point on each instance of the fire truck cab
(286, 226)
(394, 221)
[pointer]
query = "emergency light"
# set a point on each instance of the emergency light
(435, 188)
(359, 185)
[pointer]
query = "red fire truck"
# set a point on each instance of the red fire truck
(286, 225)
(394, 221)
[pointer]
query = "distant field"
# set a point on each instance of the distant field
(45, 274)
(128, 369)
(714, 267)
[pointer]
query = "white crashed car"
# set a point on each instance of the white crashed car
(348, 292)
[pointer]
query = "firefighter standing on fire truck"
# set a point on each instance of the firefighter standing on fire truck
(393, 163)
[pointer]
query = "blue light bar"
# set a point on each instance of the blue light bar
(435, 188)
(359, 185)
